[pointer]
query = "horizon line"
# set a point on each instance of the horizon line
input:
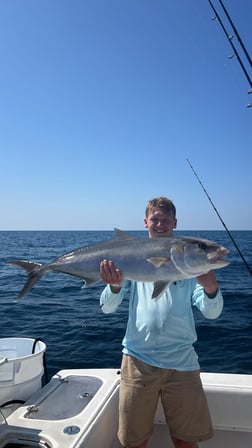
(126, 230)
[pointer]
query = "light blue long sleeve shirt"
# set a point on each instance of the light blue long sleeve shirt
(162, 332)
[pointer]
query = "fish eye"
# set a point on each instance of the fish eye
(202, 245)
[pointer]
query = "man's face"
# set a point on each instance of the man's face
(160, 223)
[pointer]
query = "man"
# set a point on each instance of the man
(158, 354)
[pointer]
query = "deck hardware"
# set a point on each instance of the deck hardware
(70, 430)
(32, 408)
(85, 395)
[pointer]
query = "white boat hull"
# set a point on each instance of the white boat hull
(79, 409)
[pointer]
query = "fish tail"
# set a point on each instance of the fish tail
(35, 272)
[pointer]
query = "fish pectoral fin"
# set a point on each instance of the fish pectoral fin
(159, 289)
(121, 235)
(158, 261)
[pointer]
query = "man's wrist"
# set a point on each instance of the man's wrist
(115, 287)
(211, 295)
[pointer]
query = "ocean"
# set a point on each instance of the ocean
(77, 334)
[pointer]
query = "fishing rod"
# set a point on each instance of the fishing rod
(219, 216)
(236, 33)
(229, 38)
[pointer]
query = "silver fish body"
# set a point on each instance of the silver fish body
(157, 260)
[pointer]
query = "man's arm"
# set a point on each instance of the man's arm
(207, 296)
(209, 283)
(112, 295)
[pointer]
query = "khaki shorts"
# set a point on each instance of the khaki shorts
(182, 396)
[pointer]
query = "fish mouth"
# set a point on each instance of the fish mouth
(218, 255)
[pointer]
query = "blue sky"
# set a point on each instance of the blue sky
(102, 102)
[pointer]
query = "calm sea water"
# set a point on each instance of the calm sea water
(78, 335)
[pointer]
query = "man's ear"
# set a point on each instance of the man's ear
(146, 223)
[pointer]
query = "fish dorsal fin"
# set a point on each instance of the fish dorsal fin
(159, 289)
(121, 235)
(158, 262)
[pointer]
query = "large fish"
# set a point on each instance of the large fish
(157, 260)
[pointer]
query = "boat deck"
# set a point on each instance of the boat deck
(221, 439)
(79, 409)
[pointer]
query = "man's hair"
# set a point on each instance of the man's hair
(161, 202)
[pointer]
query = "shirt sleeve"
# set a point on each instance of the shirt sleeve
(210, 308)
(109, 301)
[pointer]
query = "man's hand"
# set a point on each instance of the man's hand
(111, 275)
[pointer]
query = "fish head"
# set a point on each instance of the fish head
(196, 256)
